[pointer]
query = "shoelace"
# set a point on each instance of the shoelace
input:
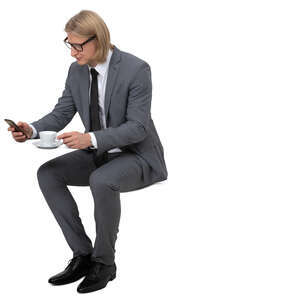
(71, 262)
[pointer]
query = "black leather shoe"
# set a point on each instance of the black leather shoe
(97, 278)
(77, 268)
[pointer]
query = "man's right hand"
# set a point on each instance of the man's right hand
(19, 136)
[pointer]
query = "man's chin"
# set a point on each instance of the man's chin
(81, 62)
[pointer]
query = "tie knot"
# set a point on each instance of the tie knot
(94, 72)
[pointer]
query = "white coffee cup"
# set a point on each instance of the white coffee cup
(47, 138)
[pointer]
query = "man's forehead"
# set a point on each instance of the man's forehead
(75, 39)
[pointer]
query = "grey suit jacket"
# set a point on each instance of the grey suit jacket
(127, 110)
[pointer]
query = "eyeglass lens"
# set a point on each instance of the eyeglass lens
(75, 46)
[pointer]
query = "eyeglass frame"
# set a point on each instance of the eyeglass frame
(71, 44)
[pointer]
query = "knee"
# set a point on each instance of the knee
(98, 181)
(46, 170)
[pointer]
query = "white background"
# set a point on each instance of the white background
(225, 225)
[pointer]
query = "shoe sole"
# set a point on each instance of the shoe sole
(96, 287)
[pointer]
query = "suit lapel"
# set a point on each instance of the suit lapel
(113, 70)
(84, 84)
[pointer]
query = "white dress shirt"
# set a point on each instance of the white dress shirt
(102, 70)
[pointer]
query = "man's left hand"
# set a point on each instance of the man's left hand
(76, 140)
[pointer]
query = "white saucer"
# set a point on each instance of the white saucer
(55, 145)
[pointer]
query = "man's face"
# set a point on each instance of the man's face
(89, 49)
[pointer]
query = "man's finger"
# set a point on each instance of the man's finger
(68, 140)
(69, 144)
(64, 135)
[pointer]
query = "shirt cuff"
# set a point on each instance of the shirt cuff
(34, 132)
(93, 140)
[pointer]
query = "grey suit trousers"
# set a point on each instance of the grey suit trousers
(122, 172)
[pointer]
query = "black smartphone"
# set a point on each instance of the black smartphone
(13, 124)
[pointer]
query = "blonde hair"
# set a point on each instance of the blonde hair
(88, 23)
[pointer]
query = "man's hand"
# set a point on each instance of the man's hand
(76, 140)
(19, 136)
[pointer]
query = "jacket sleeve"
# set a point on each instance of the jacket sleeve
(61, 115)
(138, 115)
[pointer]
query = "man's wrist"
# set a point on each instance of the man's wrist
(90, 140)
(93, 140)
(30, 133)
(34, 132)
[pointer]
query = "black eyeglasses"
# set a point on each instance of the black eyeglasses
(77, 47)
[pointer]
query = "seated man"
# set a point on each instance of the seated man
(119, 151)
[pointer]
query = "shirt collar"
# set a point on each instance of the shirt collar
(102, 68)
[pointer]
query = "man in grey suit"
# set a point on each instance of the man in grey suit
(119, 151)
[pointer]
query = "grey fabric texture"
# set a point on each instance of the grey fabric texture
(122, 173)
(128, 97)
(129, 127)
